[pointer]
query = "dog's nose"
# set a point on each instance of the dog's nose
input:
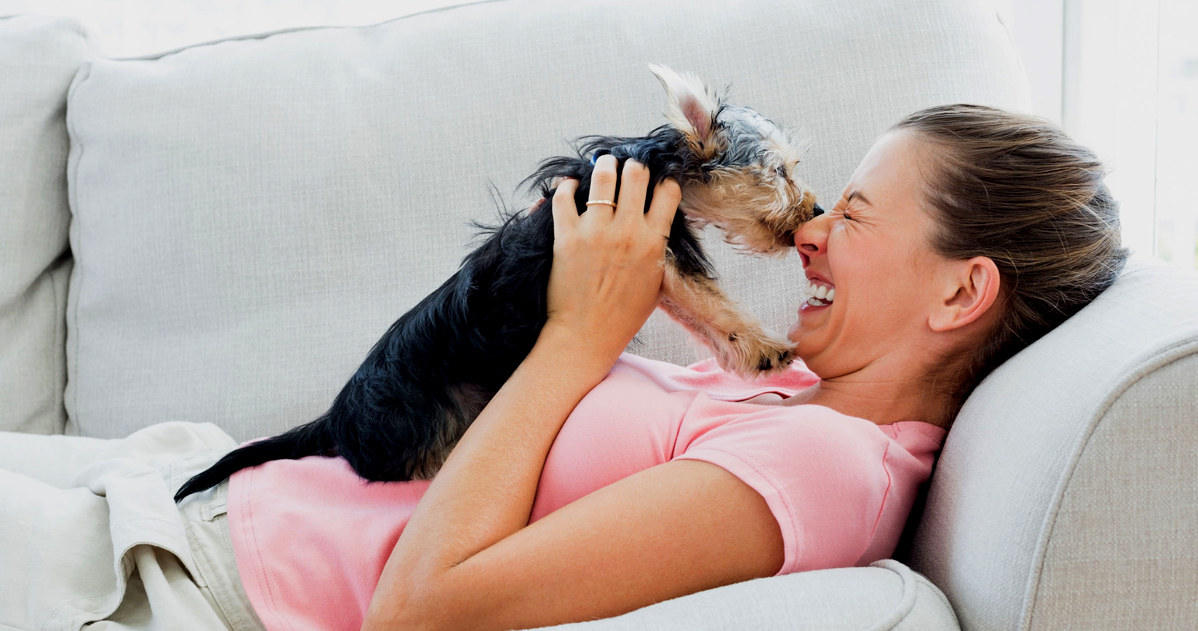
(817, 211)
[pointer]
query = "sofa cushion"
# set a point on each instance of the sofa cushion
(887, 596)
(251, 214)
(1067, 492)
(38, 58)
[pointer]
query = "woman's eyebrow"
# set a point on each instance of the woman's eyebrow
(860, 196)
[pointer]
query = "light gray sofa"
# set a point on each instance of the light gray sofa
(219, 233)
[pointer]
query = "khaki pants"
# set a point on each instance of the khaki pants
(90, 536)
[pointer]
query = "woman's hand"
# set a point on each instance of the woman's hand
(607, 262)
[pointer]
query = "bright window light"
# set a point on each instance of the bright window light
(1131, 93)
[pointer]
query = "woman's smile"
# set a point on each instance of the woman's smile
(822, 294)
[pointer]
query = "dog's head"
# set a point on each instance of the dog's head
(736, 167)
(740, 175)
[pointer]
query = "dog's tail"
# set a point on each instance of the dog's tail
(306, 440)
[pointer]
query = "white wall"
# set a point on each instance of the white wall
(1037, 26)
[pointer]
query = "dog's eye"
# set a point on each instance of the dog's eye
(781, 171)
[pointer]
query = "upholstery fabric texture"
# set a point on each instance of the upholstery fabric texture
(38, 58)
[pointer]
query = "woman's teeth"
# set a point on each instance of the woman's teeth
(823, 296)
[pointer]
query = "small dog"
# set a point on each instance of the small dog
(435, 368)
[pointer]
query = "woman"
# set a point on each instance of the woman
(965, 234)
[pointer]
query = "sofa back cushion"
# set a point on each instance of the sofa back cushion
(1067, 492)
(38, 58)
(250, 215)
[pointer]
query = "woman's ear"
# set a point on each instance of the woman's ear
(971, 290)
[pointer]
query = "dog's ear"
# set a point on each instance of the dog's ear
(691, 107)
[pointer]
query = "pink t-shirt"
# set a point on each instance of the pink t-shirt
(311, 538)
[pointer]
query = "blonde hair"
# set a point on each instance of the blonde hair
(1016, 189)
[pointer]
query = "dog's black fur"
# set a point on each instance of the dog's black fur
(435, 368)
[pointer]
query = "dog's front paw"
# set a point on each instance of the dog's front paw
(751, 353)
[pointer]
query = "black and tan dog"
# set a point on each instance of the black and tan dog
(436, 367)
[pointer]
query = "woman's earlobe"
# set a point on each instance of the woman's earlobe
(971, 293)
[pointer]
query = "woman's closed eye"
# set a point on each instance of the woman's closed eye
(842, 211)
(844, 207)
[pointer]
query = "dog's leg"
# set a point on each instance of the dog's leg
(740, 343)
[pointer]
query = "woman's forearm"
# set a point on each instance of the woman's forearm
(486, 489)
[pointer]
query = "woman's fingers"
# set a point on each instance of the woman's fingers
(627, 215)
(634, 184)
(565, 213)
(601, 200)
(666, 196)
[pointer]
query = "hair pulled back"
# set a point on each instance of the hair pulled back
(1016, 189)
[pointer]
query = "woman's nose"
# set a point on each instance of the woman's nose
(812, 237)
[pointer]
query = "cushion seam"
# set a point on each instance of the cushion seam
(75, 281)
(296, 29)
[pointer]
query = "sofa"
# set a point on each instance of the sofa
(219, 233)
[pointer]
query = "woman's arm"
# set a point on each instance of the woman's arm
(467, 559)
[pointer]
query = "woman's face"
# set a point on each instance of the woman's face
(871, 253)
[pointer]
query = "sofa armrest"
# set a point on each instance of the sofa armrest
(885, 595)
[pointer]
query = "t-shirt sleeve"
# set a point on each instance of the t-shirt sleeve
(822, 474)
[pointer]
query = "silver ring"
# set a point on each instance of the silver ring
(601, 202)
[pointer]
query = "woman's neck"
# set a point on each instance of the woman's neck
(884, 395)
